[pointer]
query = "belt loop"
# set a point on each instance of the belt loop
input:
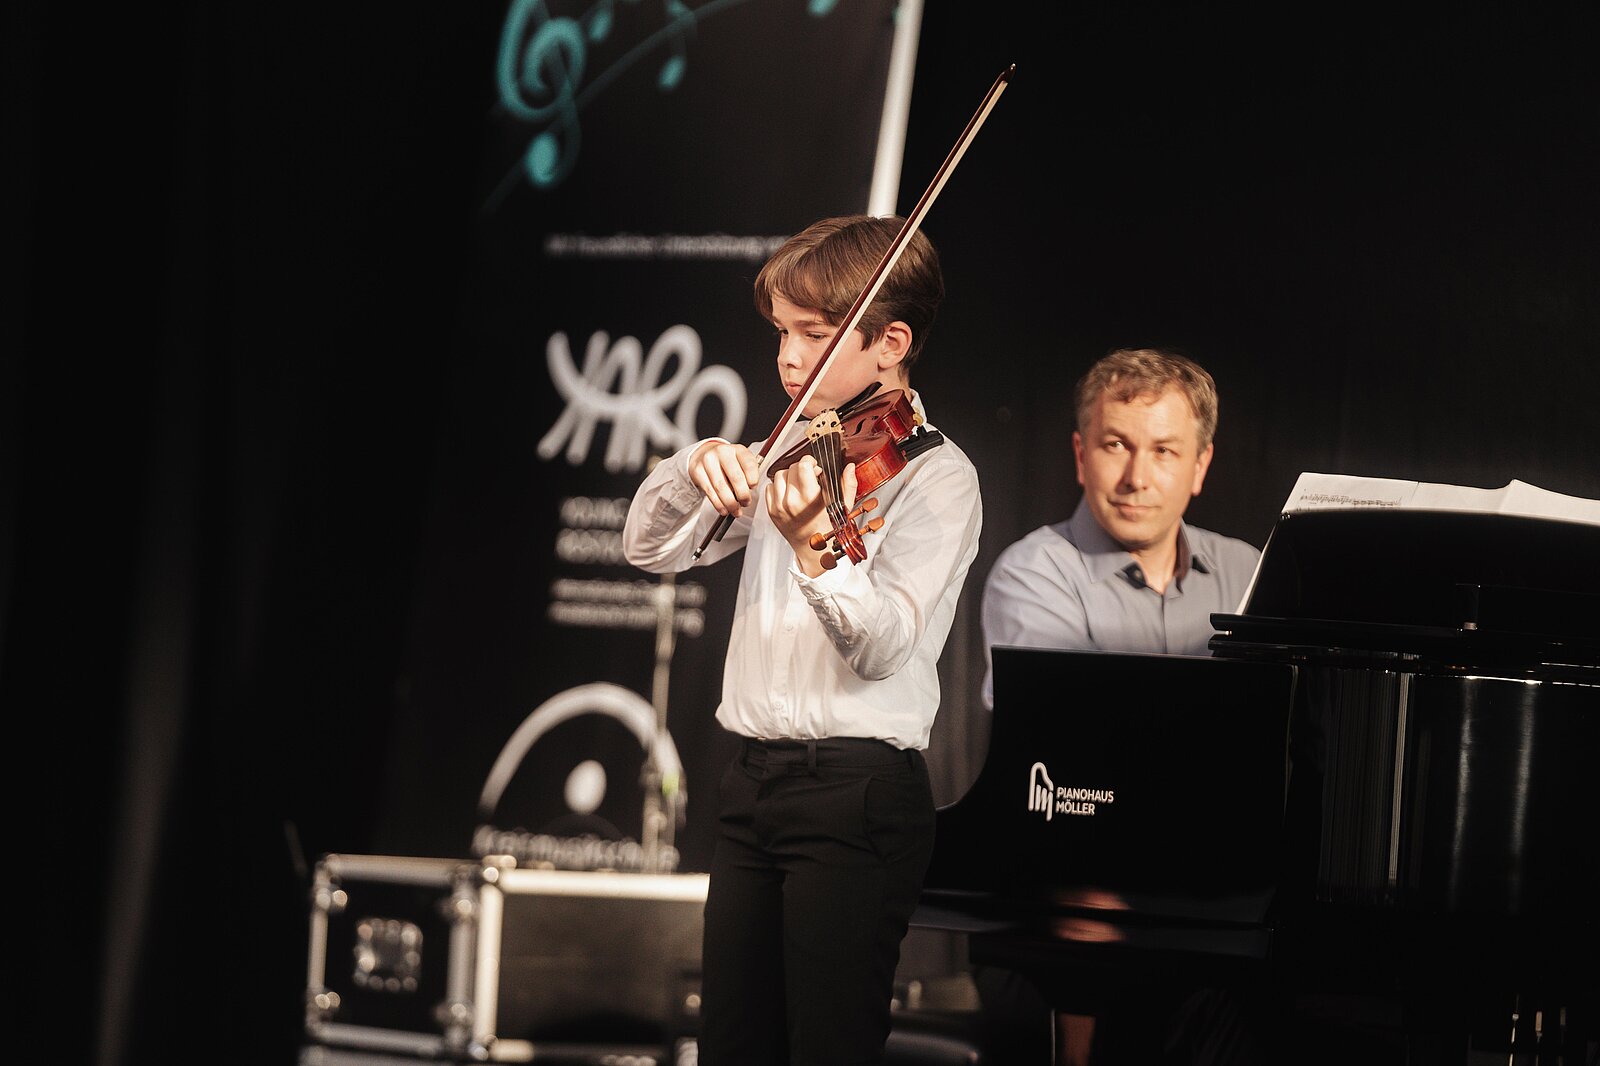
(811, 757)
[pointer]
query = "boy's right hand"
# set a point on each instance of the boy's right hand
(726, 474)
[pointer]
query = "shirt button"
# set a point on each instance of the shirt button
(789, 628)
(777, 705)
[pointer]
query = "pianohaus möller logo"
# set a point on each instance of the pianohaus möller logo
(1051, 799)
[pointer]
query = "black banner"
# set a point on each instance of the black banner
(644, 159)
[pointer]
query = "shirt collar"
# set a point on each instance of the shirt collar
(1103, 557)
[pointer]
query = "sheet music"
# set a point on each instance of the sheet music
(1326, 492)
(1347, 492)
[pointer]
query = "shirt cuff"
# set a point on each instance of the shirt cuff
(820, 589)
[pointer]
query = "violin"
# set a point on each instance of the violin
(847, 540)
(880, 435)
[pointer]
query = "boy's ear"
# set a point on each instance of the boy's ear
(894, 345)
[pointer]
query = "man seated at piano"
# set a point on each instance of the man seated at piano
(1124, 573)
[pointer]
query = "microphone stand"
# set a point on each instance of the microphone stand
(659, 821)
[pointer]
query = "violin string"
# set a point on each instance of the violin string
(838, 515)
(833, 473)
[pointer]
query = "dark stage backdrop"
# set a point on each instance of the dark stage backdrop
(301, 521)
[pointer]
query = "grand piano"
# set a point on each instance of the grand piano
(1378, 790)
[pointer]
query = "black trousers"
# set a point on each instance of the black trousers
(819, 862)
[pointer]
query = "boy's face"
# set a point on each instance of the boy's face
(803, 337)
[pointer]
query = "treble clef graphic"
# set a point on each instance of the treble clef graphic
(543, 61)
(538, 85)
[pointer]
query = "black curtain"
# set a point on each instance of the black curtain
(238, 230)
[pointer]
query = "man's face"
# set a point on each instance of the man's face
(1139, 463)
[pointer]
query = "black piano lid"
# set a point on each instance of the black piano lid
(1479, 589)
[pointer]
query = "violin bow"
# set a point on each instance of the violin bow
(772, 448)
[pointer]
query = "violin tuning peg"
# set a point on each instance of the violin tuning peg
(873, 526)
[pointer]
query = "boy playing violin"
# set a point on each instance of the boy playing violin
(826, 818)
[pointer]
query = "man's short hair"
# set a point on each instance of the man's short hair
(1128, 373)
